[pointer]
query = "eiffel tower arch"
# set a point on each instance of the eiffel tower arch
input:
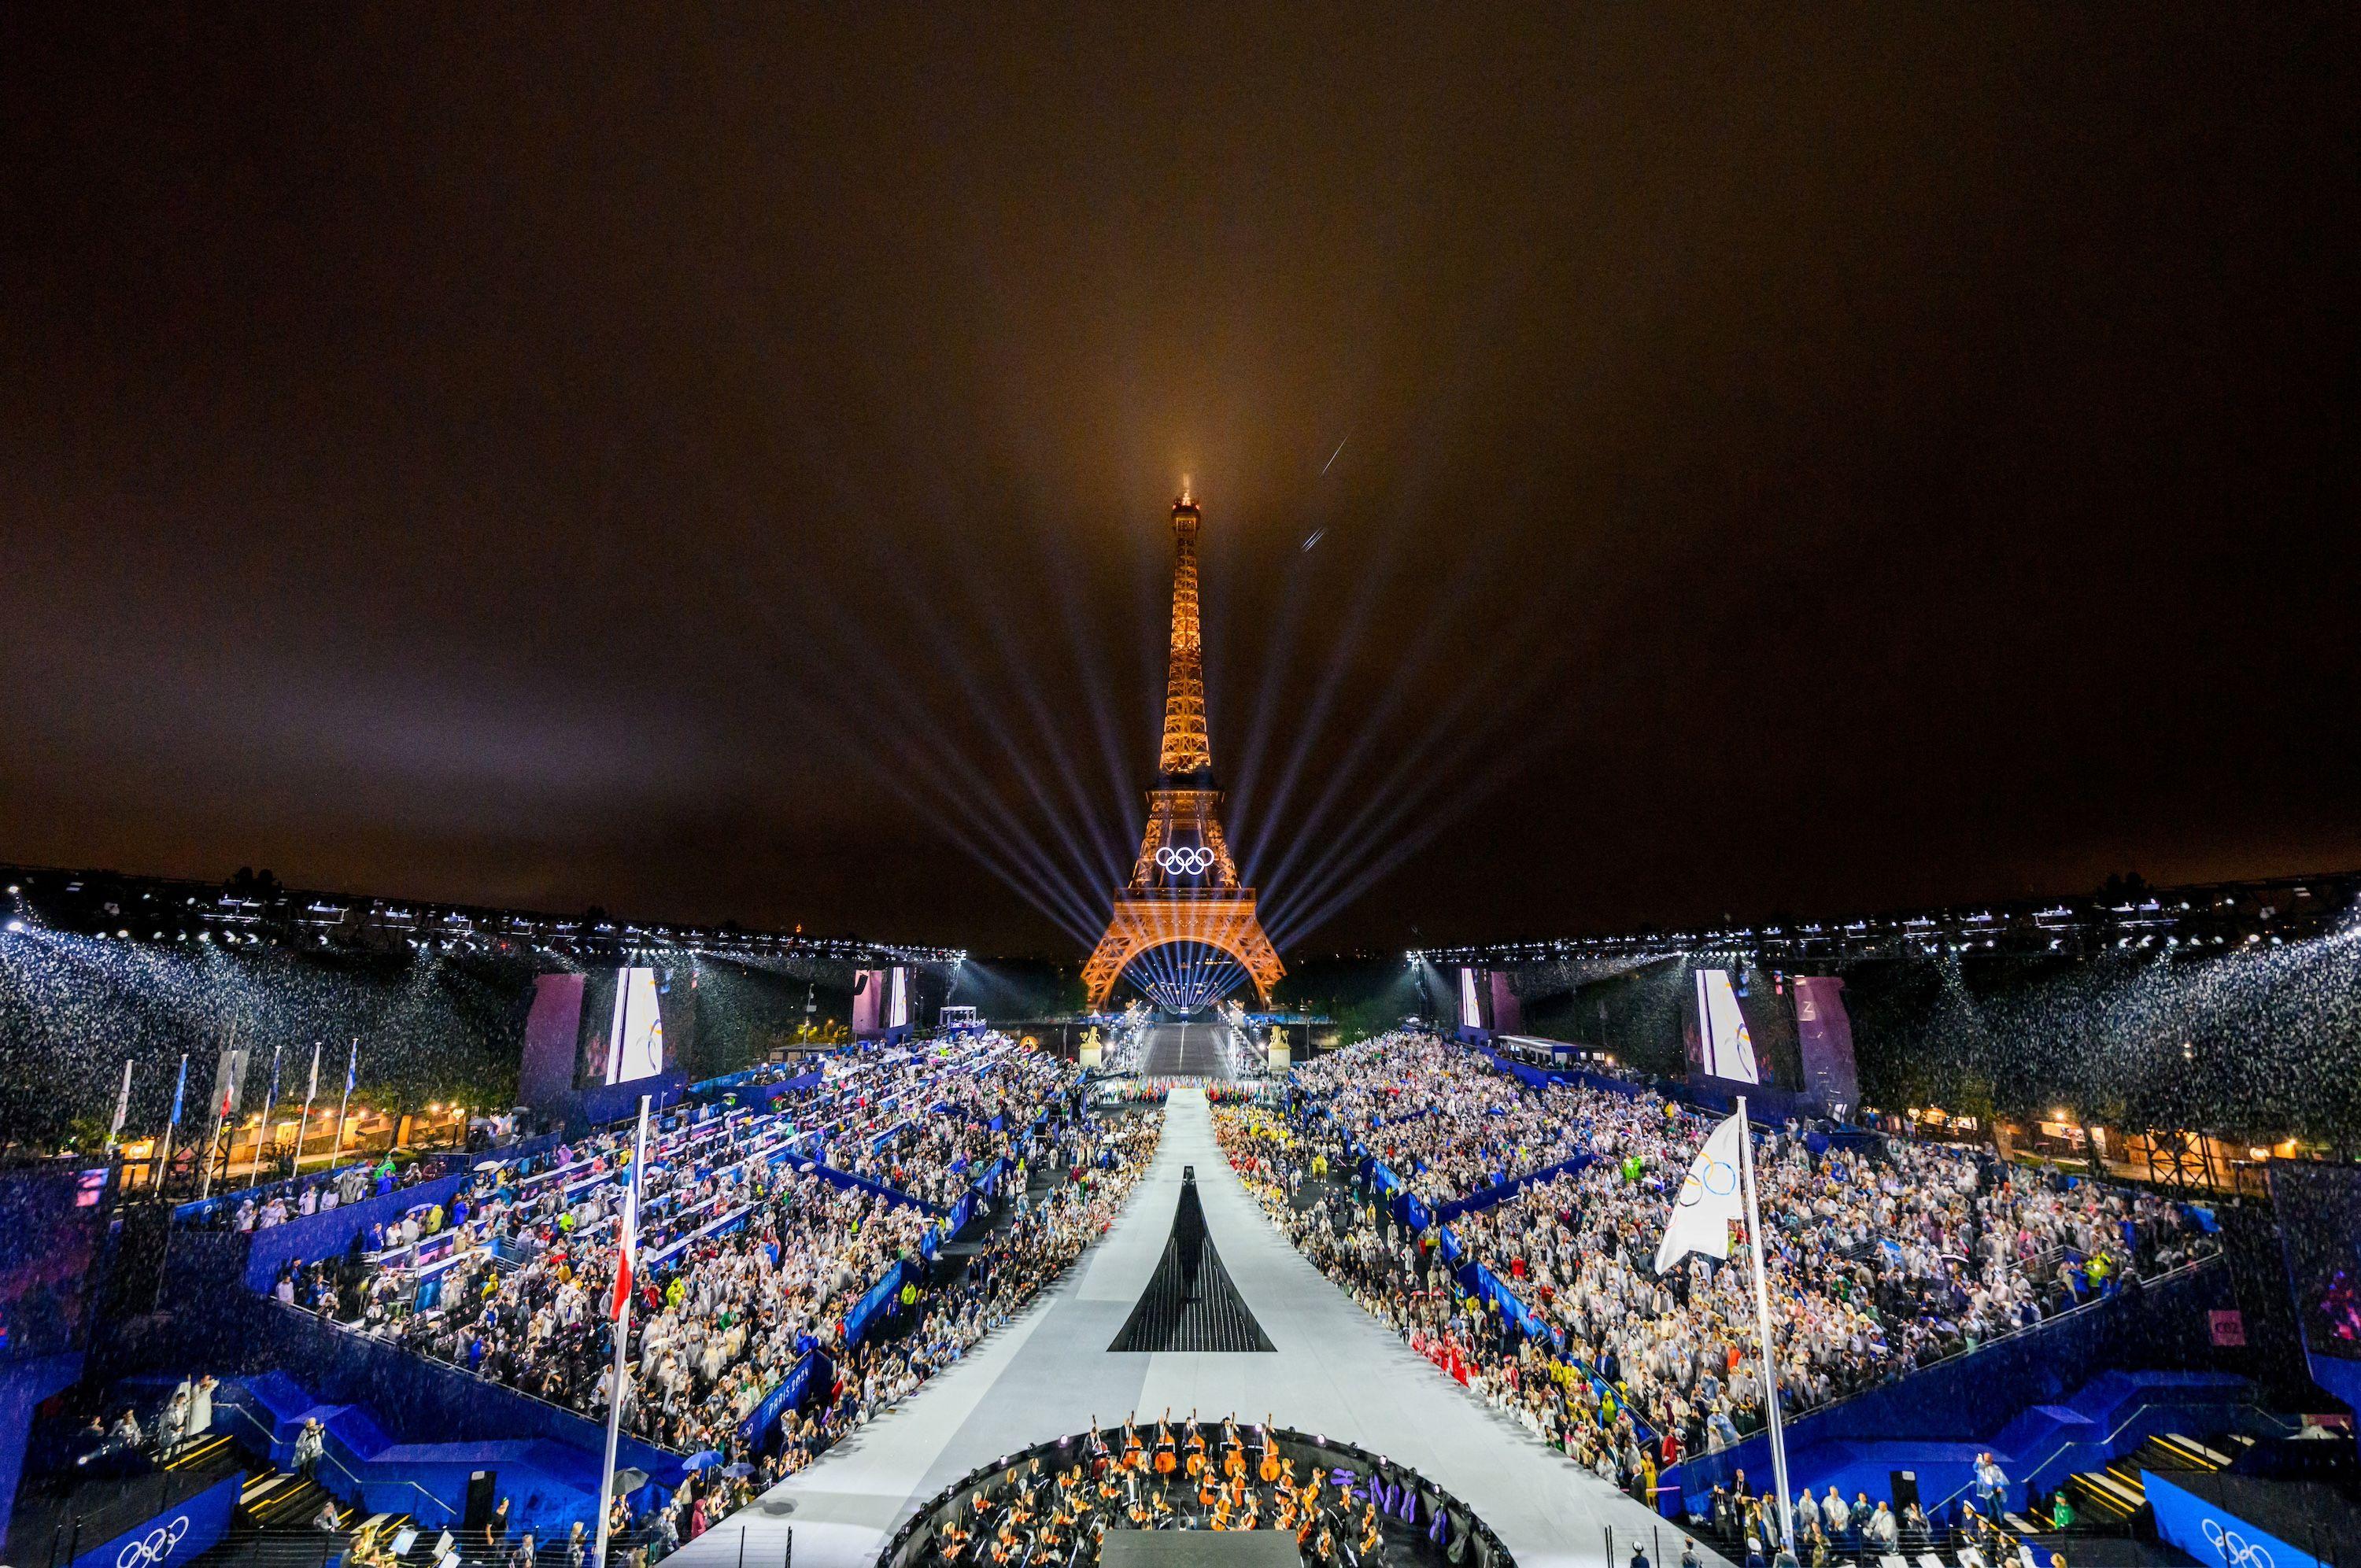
(1184, 885)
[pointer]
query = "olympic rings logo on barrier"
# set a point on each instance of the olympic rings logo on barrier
(2233, 1548)
(1190, 860)
(153, 1547)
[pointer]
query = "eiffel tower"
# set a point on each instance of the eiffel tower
(1184, 886)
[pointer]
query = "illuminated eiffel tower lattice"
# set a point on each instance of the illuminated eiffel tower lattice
(1184, 887)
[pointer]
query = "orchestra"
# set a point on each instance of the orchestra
(1233, 1479)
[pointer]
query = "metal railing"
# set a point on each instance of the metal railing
(412, 1495)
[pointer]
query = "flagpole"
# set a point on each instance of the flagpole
(352, 1064)
(165, 1162)
(1762, 1325)
(122, 1109)
(309, 1093)
(270, 1103)
(229, 1076)
(625, 1247)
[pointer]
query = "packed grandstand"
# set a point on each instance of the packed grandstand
(818, 1241)
(1886, 1256)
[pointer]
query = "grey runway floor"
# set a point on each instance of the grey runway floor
(1184, 1050)
(1334, 1370)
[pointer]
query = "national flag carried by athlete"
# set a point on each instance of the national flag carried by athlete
(1709, 1200)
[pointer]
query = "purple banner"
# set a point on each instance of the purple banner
(552, 1030)
(1824, 1034)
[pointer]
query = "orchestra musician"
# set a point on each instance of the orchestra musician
(1135, 1453)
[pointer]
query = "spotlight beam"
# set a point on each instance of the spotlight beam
(1393, 797)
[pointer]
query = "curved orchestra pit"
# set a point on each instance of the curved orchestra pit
(1323, 1501)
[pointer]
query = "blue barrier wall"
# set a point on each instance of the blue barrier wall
(879, 1299)
(2209, 1532)
(894, 1195)
(789, 1394)
(423, 1401)
(177, 1535)
(209, 1209)
(310, 1237)
(757, 1094)
(1970, 1397)
(608, 1102)
(23, 1384)
(1501, 1193)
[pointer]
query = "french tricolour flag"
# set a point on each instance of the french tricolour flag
(626, 1256)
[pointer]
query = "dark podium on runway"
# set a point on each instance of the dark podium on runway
(1199, 1548)
(1191, 1304)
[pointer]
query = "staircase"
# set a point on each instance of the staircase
(283, 1500)
(212, 1452)
(2117, 1495)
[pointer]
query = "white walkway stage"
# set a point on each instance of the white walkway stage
(1333, 1371)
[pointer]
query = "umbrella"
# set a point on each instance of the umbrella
(487, 1165)
(630, 1481)
(696, 1461)
(740, 1468)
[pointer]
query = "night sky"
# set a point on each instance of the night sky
(719, 469)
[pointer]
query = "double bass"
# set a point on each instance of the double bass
(1166, 1460)
(1233, 1452)
(1134, 1456)
(1269, 1469)
(1195, 1465)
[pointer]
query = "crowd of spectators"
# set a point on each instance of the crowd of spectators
(1085, 1169)
(932, 1153)
(748, 1253)
(1438, 1115)
(263, 1208)
(1883, 1255)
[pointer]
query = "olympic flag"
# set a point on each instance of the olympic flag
(1709, 1200)
(1719, 1189)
